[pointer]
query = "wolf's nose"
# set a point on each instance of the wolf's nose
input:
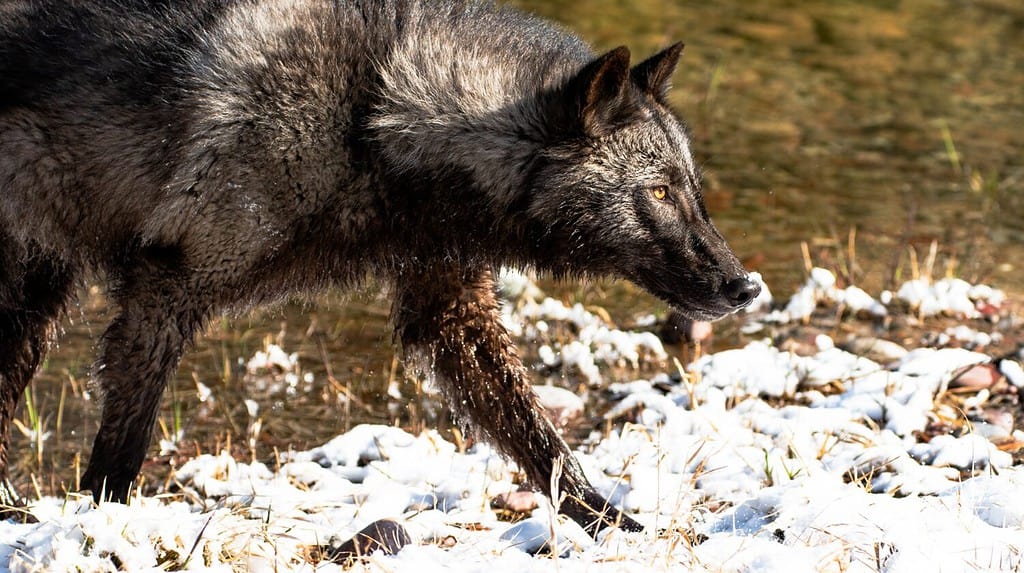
(740, 292)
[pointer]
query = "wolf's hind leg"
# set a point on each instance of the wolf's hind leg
(140, 351)
(450, 321)
(34, 290)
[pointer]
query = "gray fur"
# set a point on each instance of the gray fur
(207, 155)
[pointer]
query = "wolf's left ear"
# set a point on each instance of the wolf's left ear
(654, 75)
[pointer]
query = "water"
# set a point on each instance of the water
(815, 118)
(902, 121)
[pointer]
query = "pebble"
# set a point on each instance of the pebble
(516, 501)
(1001, 419)
(976, 377)
(385, 535)
(532, 536)
(677, 328)
(877, 349)
(995, 433)
(561, 406)
(1013, 372)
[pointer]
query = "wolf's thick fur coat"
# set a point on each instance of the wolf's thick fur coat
(212, 155)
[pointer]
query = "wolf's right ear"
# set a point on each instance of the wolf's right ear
(654, 75)
(599, 99)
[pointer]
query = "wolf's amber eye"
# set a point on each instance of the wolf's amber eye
(660, 192)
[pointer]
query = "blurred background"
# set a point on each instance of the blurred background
(903, 120)
(856, 135)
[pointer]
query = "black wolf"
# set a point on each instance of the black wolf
(212, 155)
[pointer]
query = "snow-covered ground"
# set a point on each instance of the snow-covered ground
(756, 460)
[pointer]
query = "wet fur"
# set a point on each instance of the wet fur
(210, 155)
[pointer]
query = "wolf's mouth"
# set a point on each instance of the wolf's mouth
(704, 312)
(705, 304)
(733, 295)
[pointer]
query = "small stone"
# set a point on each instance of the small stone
(876, 349)
(1013, 372)
(679, 329)
(1001, 419)
(977, 377)
(700, 331)
(532, 536)
(516, 501)
(560, 405)
(385, 535)
(991, 432)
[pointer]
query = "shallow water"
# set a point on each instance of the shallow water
(815, 118)
(901, 120)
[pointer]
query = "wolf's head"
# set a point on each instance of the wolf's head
(616, 192)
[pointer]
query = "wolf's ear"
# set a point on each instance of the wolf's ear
(654, 75)
(600, 97)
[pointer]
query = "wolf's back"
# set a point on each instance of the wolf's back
(129, 51)
(122, 119)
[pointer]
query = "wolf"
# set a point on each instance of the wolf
(207, 156)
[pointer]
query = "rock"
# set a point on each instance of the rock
(977, 377)
(385, 535)
(533, 536)
(516, 501)
(560, 405)
(678, 328)
(876, 349)
(700, 331)
(999, 417)
(997, 427)
(1013, 372)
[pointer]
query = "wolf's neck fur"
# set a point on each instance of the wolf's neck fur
(453, 98)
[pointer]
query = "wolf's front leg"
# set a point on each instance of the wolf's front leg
(449, 326)
(141, 348)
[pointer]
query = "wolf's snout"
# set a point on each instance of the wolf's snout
(741, 291)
